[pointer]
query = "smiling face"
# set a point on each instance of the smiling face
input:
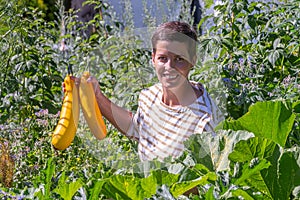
(172, 63)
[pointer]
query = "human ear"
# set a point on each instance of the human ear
(153, 57)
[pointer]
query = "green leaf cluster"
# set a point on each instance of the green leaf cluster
(255, 45)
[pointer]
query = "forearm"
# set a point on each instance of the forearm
(116, 115)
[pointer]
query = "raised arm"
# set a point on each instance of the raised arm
(116, 115)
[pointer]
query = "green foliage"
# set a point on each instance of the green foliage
(67, 190)
(272, 181)
(48, 7)
(45, 181)
(29, 64)
(278, 115)
(256, 48)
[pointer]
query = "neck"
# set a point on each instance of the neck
(183, 96)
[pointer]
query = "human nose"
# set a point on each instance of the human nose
(169, 64)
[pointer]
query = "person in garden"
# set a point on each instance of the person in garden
(173, 109)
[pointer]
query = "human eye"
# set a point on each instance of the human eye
(179, 59)
(162, 58)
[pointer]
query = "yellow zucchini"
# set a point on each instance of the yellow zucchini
(65, 130)
(90, 108)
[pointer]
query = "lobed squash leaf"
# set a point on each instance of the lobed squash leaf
(268, 119)
(131, 187)
(278, 171)
(67, 190)
(212, 151)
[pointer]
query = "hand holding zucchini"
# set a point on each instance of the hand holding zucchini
(89, 105)
(65, 130)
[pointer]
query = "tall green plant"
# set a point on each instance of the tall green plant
(256, 46)
(29, 66)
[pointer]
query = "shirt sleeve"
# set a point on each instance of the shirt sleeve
(216, 116)
(132, 132)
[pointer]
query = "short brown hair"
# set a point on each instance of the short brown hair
(176, 31)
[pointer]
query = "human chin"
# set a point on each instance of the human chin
(171, 81)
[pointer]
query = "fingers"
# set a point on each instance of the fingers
(76, 80)
(91, 80)
(63, 85)
(95, 84)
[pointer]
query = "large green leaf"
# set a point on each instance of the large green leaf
(67, 190)
(49, 175)
(96, 190)
(181, 187)
(249, 170)
(198, 146)
(130, 187)
(254, 148)
(257, 148)
(269, 119)
(44, 181)
(288, 175)
(164, 178)
(127, 187)
(277, 170)
(213, 151)
(223, 145)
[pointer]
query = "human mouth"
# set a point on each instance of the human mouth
(168, 76)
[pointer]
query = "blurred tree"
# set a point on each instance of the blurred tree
(84, 11)
(48, 7)
(195, 11)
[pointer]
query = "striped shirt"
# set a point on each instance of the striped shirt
(160, 129)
